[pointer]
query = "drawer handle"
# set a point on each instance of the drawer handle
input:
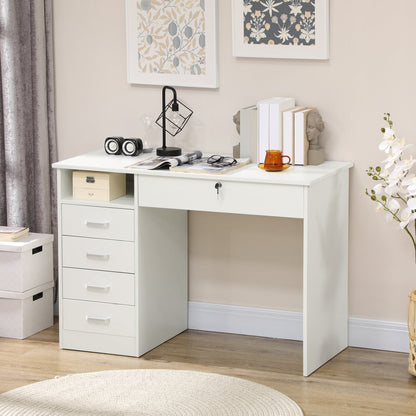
(98, 319)
(96, 287)
(98, 256)
(93, 224)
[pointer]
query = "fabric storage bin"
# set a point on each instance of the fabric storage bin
(98, 186)
(24, 314)
(26, 263)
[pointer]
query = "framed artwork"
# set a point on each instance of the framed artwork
(172, 42)
(293, 29)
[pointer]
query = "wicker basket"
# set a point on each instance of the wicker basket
(411, 324)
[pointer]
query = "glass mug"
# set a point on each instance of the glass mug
(274, 161)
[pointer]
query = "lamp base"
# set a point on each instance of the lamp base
(168, 151)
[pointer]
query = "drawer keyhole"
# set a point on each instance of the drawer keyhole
(218, 186)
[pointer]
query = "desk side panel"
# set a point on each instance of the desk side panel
(325, 281)
(163, 275)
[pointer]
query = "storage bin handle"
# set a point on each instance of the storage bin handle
(98, 256)
(95, 224)
(37, 250)
(96, 287)
(98, 319)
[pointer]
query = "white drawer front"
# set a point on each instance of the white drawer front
(96, 222)
(102, 318)
(98, 286)
(232, 197)
(92, 253)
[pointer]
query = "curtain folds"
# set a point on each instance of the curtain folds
(27, 118)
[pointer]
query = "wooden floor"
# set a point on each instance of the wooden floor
(357, 382)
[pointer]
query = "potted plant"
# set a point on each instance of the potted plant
(395, 193)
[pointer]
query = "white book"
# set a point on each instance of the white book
(249, 133)
(288, 147)
(276, 108)
(263, 113)
(301, 140)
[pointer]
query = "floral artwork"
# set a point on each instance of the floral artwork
(171, 37)
(279, 22)
(288, 29)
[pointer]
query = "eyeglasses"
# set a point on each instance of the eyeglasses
(218, 160)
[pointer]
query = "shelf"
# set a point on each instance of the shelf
(124, 202)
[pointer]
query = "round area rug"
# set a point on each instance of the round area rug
(149, 393)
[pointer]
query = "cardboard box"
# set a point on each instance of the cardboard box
(98, 186)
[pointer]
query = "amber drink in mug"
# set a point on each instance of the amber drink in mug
(274, 161)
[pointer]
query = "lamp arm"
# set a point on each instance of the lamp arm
(166, 87)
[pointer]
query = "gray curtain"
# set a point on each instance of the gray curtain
(27, 120)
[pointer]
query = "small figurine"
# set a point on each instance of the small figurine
(315, 126)
(236, 121)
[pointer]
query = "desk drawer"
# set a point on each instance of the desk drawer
(98, 286)
(102, 318)
(92, 253)
(97, 222)
(233, 197)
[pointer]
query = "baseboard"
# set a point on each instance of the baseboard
(271, 323)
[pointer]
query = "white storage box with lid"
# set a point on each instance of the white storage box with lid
(98, 186)
(26, 263)
(24, 313)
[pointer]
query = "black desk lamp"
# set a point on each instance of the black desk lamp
(174, 116)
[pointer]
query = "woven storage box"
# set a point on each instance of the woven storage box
(26, 263)
(411, 322)
(24, 314)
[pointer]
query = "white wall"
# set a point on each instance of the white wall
(258, 260)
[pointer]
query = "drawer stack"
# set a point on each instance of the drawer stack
(98, 311)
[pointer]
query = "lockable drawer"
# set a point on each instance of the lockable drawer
(98, 222)
(221, 196)
(98, 254)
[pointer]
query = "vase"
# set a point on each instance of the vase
(411, 324)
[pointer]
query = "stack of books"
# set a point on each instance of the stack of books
(275, 123)
(12, 233)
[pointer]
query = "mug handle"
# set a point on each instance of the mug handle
(287, 163)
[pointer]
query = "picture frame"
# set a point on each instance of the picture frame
(172, 42)
(287, 29)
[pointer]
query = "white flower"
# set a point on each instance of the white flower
(406, 164)
(406, 216)
(284, 34)
(270, 6)
(393, 204)
(411, 203)
(247, 8)
(379, 189)
(388, 133)
(391, 189)
(295, 9)
(393, 157)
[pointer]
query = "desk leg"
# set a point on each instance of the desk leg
(325, 271)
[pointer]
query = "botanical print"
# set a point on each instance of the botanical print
(171, 37)
(279, 22)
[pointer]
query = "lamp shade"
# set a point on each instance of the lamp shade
(175, 120)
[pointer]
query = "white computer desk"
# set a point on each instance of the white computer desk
(130, 294)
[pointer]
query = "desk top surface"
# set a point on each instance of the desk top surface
(296, 175)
